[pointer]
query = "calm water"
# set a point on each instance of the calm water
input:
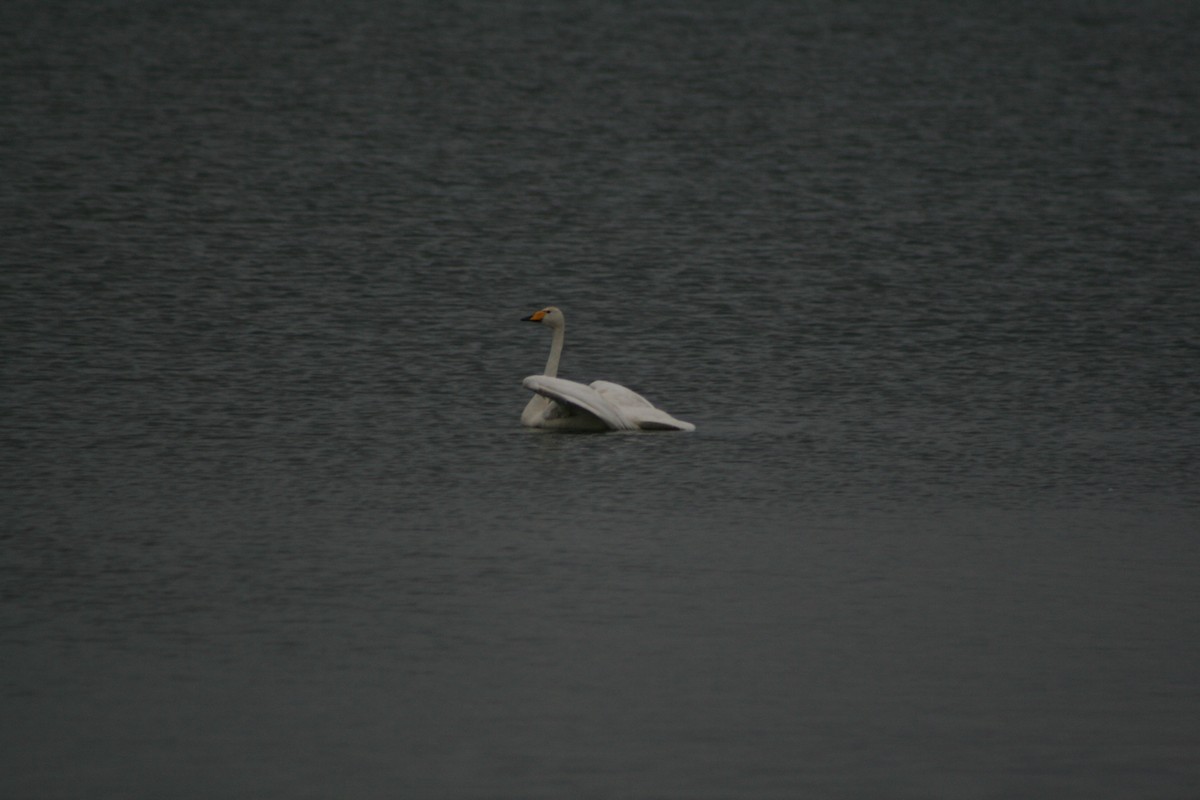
(924, 275)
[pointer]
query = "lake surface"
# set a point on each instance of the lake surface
(924, 276)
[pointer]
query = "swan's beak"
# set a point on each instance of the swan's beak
(534, 317)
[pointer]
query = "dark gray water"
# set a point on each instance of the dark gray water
(924, 275)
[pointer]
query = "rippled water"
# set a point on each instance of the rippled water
(925, 278)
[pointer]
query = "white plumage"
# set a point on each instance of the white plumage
(561, 404)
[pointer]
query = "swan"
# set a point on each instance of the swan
(559, 404)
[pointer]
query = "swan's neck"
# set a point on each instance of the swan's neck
(555, 353)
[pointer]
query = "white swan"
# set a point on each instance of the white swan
(560, 404)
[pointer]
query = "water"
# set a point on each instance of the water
(924, 278)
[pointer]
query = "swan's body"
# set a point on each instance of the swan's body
(559, 404)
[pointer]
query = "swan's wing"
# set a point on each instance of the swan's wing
(581, 398)
(620, 395)
(636, 409)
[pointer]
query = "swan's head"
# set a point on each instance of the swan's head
(548, 316)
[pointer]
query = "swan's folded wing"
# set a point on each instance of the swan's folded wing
(581, 397)
(655, 419)
(637, 410)
(619, 395)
